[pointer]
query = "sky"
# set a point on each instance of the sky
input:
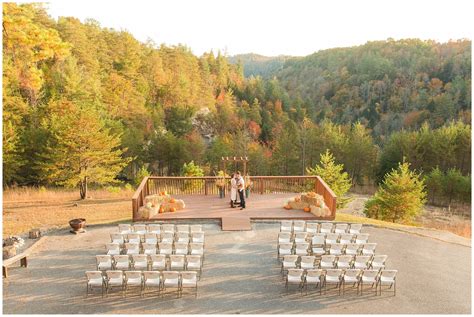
(296, 27)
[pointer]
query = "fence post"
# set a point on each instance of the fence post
(205, 187)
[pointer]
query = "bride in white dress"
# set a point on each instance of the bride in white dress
(233, 191)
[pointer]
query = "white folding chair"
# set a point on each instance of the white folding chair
(197, 249)
(286, 226)
(299, 225)
(165, 248)
(154, 228)
(336, 249)
(117, 238)
(285, 249)
(346, 238)
(352, 249)
(133, 279)
(308, 262)
(139, 229)
(355, 228)
(112, 248)
(284, 237)
(344, 261)
(189, 281)
(140, 262)
(318, 245)
(95, 279)
(332, 238)
(114, 279)
(104, 262)
(312, 227)
(197, 237)
(158, 262)
(369, 248)
(369, 277)
(334, 277)
(388, 278)
(133, 238)
(351, 276)
(171, 280)
(193, 263)
(362, 238)
(326, 227)
(195, 228)
(168, 227)
(124, 228)
(289, 262)
(149, 248)
(151, 279)
(177, 262)
(182, 228)
(301, 237)
(327, 262)
(378, 262)
(341, 228)
(295, 277)
(167, 237)
(361, 262)
(302, 248)
(182, 237)
(132, 248)
(181, 248)
(151, 237)
(121, 262)
(313, 277)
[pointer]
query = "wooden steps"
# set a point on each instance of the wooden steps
(236, 223)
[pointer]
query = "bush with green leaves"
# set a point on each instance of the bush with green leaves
(400, 197)
(189, 170)
(141, 174)
(449, 187)
(334, 176)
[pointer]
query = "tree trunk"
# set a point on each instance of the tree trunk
(83, 188)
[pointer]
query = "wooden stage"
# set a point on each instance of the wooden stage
(267, 206)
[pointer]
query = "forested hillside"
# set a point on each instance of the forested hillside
(259, 65)
(82, 102)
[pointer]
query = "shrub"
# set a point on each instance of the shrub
(400, 197)
(141, 174)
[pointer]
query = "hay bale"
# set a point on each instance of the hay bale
(312, 199)
(297, 204)
(317, 211)
(178, 205)
(147, 212)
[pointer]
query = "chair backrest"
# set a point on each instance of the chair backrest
(151, 275)
(182, 228)
(369, 247)
(290, 258)
(362, 259)
(308, 259)
(388, 275)
(170, 275)
(327, 258)
(314, 272)
(114, 274)
(352, 272)
(182, 235)
(332, 237)
(165, 245)
(93, 275)
(189, 277)
(180, 246)
(312, 227)
(133, 237)
(295, 273)
(286, 226)
(167, 236)
(286, 246)
(151, 236)
(196, 228)
(149, 246)
(301, 236)
(103, 258)
(346, 238)
(121, 258)
(193, 258)
(154, 228)
(284, 237)
(197, 236)
(140, 257)
(318, 238)
(177, 258)
(117, 238)
(362, 238)
(302, 245)
(337, 246)
(355, 228)
(345, 258)
(139, 228)
(333, 272)
(132, 246)
(379, 259)
(124, 227)
(369, 274)
(354, 247)
(168, 227)
(341, 228)
(196, 246)
(157, 258)
(326, 227)
(133, 275)
(299, 225)
(112, 246)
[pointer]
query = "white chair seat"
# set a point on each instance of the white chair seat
(377, 265)
(197, 252)
(115, 281)
(140, 265)
(113, 252)
(289, 264)
(158, 265)
(121, 266)
(134, 281)
(351, 279)
(294, 278)
(194, 265)
(384, 279)
(283, 240)
(351, 252)
(105, 265)
(319, 251)
(95, 282)
(307, 265)
(312, 279)
(152, 281)
(149, 251)
(171, 282)
(326, 264)
(344, 265)
(332, 279)
(368, 279)
(285, 252)
(191, 282)
(367, 252)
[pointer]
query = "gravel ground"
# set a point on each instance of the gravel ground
(241, 275)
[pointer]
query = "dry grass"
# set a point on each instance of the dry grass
(26, 208)
(356, 219)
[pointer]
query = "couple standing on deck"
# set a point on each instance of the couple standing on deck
(237, 185)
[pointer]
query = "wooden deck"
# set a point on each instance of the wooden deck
(268, 206)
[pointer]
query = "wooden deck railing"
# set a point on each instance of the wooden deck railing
(207, 186)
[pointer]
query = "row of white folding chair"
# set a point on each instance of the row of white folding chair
(157, 228)
(330, 261)
(339, 278)
(316, 227)
(305, 248)
(323, 238)
(151, 237)
(150, 248)
(143, 280)
(149, 262)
